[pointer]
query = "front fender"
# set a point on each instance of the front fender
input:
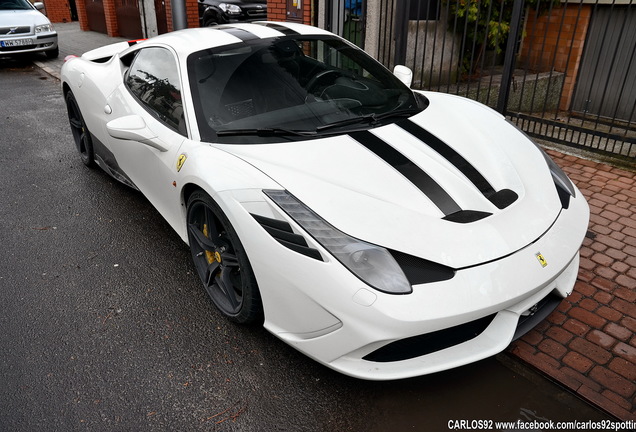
(215, 171)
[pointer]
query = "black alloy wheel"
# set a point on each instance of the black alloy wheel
(221, 261)
(81, 135)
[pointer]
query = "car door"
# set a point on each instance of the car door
(149, 126)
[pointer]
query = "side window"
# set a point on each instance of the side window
(153, 78)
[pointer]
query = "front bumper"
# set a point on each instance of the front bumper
(28, 43)
(324, 311)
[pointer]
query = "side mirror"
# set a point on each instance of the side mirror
(133, 128)
(404, 74)
(39, 5)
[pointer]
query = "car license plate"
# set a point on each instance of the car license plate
(17, 42)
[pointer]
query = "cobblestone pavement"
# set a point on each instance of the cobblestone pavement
(588, 343)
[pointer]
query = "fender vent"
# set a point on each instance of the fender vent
(282, 232)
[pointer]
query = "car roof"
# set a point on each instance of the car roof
(196, 39)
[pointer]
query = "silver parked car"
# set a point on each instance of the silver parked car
(24, 29)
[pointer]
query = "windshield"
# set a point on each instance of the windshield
(15, 4)
(294, 87)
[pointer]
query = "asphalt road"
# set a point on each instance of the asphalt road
(104, 324)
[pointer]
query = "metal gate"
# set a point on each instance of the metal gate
(96, 16)
(607, 82)
(128, 18)
(346, 19)
(562, 70)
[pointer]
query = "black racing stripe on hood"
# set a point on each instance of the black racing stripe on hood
(408, 169)
(241, 34)
(449, 154)
(501, 199)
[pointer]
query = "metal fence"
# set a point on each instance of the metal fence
(564, 71)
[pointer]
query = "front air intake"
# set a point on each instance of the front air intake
(416, 346)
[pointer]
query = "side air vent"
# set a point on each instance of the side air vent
(102, 59)
(283, 233)
(420, 271)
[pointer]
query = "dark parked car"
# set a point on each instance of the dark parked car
(213, 12)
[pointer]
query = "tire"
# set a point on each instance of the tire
(53, 54)
(212, 19)
(81, 135)
(221, 261)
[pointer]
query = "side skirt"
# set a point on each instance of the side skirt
(105, 159)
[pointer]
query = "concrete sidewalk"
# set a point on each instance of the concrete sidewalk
(73, 41)
(588, 344)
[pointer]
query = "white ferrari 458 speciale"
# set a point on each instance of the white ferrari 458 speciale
(384, 232)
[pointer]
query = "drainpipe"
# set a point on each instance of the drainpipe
(179, 18)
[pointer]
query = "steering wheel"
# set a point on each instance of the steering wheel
(319, 78)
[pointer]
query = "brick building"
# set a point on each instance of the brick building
(146, 18)
(549, 40)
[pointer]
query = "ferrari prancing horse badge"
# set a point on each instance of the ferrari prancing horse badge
(541, 259)
(180, 161)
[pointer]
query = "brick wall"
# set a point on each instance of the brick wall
(555, 42)
(112, 26)
(168, 6)
(81, 15)
(277, 11)
(58, 11)
(192, 14)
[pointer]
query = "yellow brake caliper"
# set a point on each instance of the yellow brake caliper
(210, 256)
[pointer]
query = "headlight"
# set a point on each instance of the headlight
(44, 28)
(373, 264)
(230, 9)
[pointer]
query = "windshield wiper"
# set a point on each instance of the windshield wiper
(275, 131)
(408, 112)
(264, 132)
(369, 118)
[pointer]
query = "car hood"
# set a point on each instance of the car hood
(12, 18)
(361, 192)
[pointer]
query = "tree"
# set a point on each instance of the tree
(485, 25)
